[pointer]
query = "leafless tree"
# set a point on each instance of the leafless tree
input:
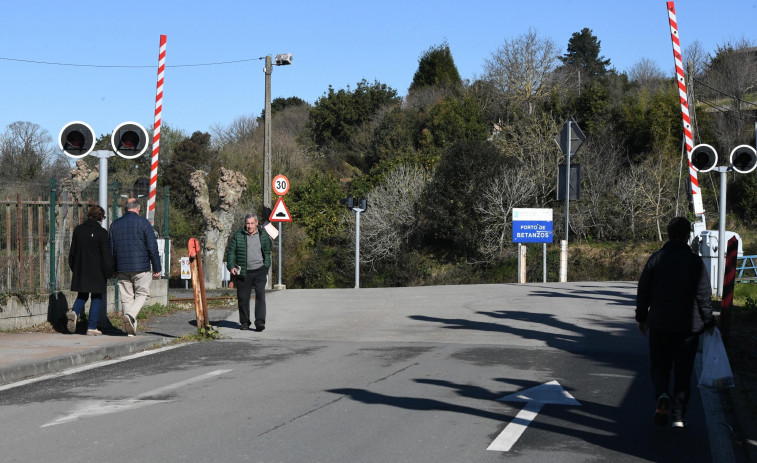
(391, 219)
(729, 77)
(289, 156)
(239, 130)
(646, 73)
(655, 180)
(522, 69)
(530, 144)
(695, 61)
(219, 219)
(598, 212)
(733, 71)
(510, 188)
(27, 153)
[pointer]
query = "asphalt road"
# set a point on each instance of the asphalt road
(531, 373)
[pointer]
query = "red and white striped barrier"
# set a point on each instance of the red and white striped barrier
(696, 192)
(156, 132)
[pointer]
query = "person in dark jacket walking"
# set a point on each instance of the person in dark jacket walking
(673, 305)
(248, 258)
(91, 262)
(135, 250)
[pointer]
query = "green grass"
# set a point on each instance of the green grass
(745, 295)
(157, 310)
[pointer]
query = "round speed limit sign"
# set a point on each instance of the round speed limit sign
(280, 185)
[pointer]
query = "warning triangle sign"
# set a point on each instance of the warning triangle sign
(280, 212)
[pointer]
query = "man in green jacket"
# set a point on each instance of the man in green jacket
(248, 259)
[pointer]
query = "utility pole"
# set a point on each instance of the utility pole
(281, 59)
(267, 135)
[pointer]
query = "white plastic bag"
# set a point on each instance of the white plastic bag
(716, 371)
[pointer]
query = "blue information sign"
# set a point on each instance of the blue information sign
(532, 226)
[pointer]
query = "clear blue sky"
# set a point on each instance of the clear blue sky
(334, 43)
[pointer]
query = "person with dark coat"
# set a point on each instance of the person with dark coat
(137, 261)
(248, 258)
(91, 262)
(673, 305)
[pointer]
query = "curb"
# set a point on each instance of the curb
(61, 362)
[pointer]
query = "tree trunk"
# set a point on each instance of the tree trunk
(218, 221)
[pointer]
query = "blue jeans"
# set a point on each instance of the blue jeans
(94, 308)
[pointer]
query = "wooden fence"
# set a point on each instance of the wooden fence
(35, 237)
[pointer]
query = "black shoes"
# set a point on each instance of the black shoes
(257, 328)
(663, 409)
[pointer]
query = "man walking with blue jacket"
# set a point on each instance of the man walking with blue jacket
(135, 250)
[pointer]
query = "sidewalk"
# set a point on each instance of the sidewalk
(24, 355)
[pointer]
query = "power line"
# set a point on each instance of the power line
(51, 63)
(738, 114)
(724, 93)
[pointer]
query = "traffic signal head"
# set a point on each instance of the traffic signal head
(76, 139)
(129, 140)
(703, 157)
(349, 201)
(743, 159)
(362, 203)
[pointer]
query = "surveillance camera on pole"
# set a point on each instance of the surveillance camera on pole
(703, 157)
(743, 159)
(76, 139)
(283, 59)
(129, 140)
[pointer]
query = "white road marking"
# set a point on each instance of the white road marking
(104, 407)
(535, 398)
(612, 375)
(91, 366)
(101, 407)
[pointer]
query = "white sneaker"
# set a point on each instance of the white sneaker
(677, 424)
(71, 323)
(94, 332)
(130, 325)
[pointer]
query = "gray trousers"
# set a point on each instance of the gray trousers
(134, 289)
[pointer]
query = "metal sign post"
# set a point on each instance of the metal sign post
(280, 213)
(357, 206)
(569, 139)
(357, 246)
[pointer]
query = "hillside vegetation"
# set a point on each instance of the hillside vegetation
(443, 164)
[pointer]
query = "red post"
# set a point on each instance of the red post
(726, 304)
(198, 283)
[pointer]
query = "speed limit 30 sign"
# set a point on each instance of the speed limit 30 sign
(280, 185)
